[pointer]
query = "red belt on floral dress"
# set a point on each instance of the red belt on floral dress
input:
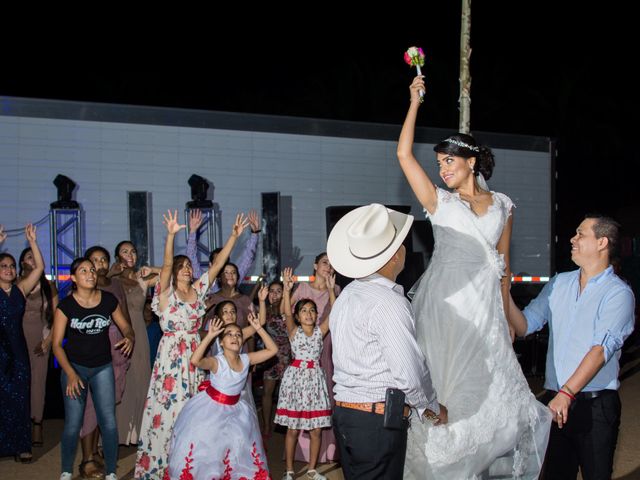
(303, 363)
(217, 395)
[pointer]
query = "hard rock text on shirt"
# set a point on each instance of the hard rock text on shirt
(91, 324)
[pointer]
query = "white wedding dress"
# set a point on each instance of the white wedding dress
(496, 429)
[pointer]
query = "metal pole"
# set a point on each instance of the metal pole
(60, 221)
(206, 231)
(465, 75)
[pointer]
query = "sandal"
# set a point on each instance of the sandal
(24, 457)
(98, 457)
(96, 474)
(37, 443)
(314, 475)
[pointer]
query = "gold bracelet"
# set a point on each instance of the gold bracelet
(568, 389)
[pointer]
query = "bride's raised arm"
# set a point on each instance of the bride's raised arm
(420, 182)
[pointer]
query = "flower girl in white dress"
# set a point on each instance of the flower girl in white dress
(216, 434)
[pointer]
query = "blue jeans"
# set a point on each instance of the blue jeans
(102, 383)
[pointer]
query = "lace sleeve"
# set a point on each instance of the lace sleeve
(506, 202)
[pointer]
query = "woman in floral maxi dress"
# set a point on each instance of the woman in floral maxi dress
(180, 306)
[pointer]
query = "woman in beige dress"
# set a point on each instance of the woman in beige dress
(36, 324)
(136, 283)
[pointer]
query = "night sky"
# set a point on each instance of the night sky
(547, 71)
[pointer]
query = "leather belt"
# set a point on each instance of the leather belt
(377, 407)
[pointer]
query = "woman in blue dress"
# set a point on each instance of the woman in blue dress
(15, 373)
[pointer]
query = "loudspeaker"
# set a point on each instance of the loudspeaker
(271, 235)
(140, 215)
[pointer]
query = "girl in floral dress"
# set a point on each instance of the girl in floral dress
(304, 398)
(318, 291)
(217, 433)
(180, 305)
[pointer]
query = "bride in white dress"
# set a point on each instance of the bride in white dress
(496, 429)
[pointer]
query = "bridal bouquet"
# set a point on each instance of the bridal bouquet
(414, 57)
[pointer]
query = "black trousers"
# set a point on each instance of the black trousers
(588, 440)
(367, 449)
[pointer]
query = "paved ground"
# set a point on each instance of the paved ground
(627, 461)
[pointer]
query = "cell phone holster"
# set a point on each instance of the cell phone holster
(394, 409)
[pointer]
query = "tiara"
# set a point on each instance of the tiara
(462, 144)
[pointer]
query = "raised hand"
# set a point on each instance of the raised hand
(331, 281)
(216, 326)
(3, 235)
(287, 278)
(195, 220)
(144, 271)
(254, 321)
(416, 87)
(116, 269)
(30, 233)
(239, 225)
(254, 221)
(263, 293)
(171, 222)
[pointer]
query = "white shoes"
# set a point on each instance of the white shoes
(66, 476)
(111, 476)
(311, 475)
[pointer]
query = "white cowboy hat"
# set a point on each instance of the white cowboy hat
(366, 238)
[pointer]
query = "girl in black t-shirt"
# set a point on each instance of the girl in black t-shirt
(84, 318)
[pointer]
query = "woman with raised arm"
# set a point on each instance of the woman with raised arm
(304, 403)
(217, 433)
(245, 257)
(461, 325)
(15, 374)
(320, 292)
(36, 324)
(84, 317)
(276, 326)
(179, 302)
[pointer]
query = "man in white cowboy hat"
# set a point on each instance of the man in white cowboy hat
(374, 345)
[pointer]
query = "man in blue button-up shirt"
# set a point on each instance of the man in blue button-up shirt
(590, 312)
